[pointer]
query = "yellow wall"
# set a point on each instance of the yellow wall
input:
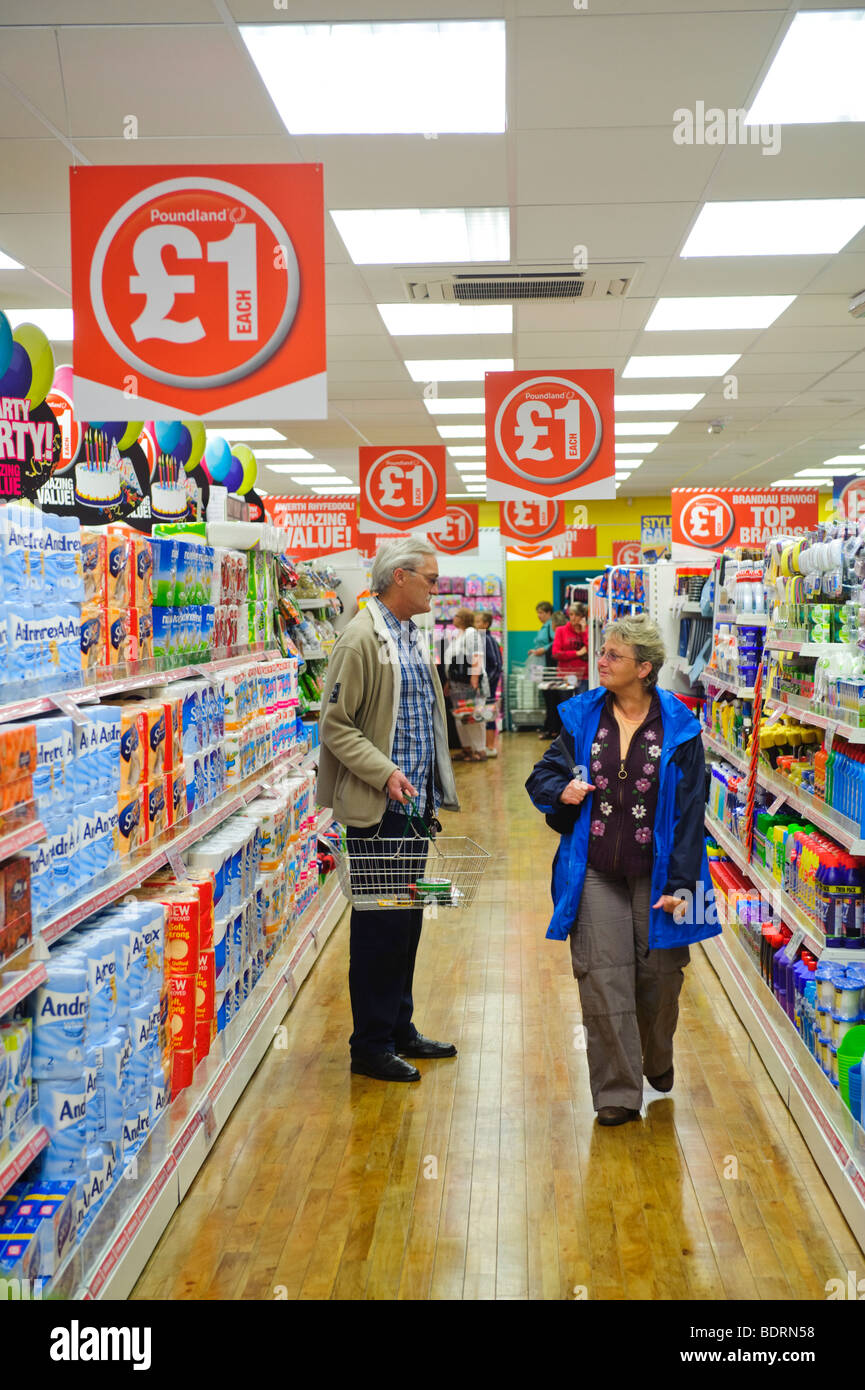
(529, 581)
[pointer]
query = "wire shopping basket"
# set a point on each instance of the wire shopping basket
(380, 874)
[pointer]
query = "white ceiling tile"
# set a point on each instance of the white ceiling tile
(735, 275)
(38, 239)
(374, 347)
(346, 11)
(610, 165)
(385, 171)
(813, 161)
(572, 347)
(592, 69)
(205, 84)
(352, 318)
(112, 12)
(35, 176)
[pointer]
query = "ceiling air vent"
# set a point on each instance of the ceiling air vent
(504, 286)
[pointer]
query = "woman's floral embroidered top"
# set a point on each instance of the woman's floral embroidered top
(623, 808)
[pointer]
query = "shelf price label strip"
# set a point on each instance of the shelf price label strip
(14, 993)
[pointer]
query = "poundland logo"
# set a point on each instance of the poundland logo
(76, 1343)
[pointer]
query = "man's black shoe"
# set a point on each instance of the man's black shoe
(425, 1047)
(384, 1066)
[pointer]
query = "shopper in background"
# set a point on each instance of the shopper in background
(494, 668)
(383, 753)
(551, 691)
(630, 877)
(570, 646)
(544, 641)
(468, 687)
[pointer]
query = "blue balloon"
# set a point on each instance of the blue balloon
(234, 476)
(218, 457)
(182, 450)
(15, 381)
(5, 343)
(168, 434)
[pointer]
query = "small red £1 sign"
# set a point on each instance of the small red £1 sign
(402, 489)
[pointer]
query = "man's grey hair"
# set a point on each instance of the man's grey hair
(404, 553)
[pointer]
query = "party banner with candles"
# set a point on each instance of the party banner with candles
(100, 471)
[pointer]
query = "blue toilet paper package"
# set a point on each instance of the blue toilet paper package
(59, 1011)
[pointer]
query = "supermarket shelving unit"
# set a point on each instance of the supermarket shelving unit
(112, 1254)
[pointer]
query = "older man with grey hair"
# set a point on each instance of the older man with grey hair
(384, 767)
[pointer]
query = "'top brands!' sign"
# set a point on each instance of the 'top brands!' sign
(712, 521)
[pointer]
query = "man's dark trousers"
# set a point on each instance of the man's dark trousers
(383, 946)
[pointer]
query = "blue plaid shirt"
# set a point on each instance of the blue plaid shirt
(414, 741)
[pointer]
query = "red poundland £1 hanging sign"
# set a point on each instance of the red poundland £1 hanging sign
(316, 526)
(709, 521)
(402, 489)
(627, 553)
(550, 434)
(198, 290)
(457, 533)
(531, 522)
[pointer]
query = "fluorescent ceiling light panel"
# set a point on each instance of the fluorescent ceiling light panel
(337, 479)
(457, 368)
(265, 454)
(475, 451)
(383, 79)
(817, 473)
(800, 483)
(7, 263)
(783, 227)
(841, 461)
(717, 312)
(308, 469)
(816, 75)
(55, 323)
(457, 405)
(429, 319)
(694, 364)
(659, 427)
(462, 431)
(471, 478)
(683, 402)
(644, 448)
(336, 491)
(461, 465)
(424, 236)
(255, 435)
(627, 463)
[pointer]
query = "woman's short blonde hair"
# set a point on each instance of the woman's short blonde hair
(645, 637)
(464, 617)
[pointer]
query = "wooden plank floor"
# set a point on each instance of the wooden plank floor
(489, 1179)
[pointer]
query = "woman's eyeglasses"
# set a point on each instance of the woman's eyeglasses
(614, 656)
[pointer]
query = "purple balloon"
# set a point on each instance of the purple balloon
(112, 429)
(234, 476)
(183, 448)
(16, 379)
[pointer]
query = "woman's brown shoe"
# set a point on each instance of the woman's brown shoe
(616, 1115)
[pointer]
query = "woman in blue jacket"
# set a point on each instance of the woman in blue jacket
(624, 785)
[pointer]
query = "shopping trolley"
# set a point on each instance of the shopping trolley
(525, 701)
(381, 874)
